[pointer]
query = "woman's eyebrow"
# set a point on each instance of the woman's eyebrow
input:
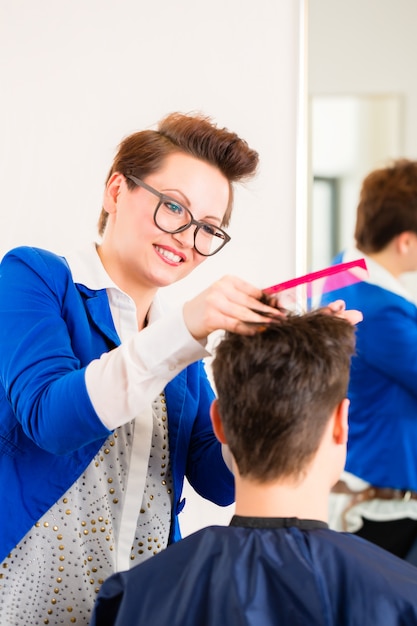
(186, 201)
(179, 192)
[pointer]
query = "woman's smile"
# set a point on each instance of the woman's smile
(169, 255)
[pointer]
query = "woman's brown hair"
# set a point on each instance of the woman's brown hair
(387, 205)
(143, 152)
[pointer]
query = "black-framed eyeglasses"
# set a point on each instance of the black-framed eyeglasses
(171, 217)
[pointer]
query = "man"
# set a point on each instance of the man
(282, 409)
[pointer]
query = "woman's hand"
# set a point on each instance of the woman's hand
(338, 308)
(228, 304)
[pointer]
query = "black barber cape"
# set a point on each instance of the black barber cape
(261, 572)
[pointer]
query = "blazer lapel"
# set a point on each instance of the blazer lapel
(98, 309)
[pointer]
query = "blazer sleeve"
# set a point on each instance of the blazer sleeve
(387, 341)
(42, 377)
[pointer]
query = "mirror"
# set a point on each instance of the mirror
(350, 136)
(362, 109)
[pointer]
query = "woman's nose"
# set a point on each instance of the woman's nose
(186, 237)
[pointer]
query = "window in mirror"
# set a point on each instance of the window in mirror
(325, 194)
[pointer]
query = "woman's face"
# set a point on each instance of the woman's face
(134, 250)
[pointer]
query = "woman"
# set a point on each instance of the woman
(92, 371)
(377, 496)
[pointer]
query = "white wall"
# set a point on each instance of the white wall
(78, 75)
(365, 47)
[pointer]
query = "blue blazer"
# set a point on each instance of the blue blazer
(50, 329)
(382, 444)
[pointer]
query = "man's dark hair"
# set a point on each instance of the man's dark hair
(278, 388)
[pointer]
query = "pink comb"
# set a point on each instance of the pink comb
(306, 291)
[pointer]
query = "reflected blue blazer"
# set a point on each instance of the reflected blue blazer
(50, 329)
(382, 443)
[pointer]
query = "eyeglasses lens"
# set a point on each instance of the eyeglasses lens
(174, 218)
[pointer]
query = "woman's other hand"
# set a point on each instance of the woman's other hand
(338, 308)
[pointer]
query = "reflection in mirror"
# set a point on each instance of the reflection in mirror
(350, 136)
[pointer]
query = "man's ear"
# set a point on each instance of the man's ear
(404, 241)
(340, 423)
(112, 191)
(217, 422)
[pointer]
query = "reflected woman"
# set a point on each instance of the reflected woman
(377, 495)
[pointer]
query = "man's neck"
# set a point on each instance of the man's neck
(306, 500)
